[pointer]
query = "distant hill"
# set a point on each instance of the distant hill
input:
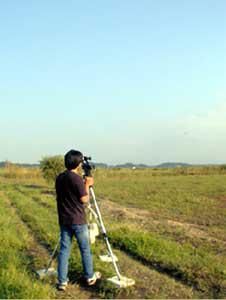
(168, 165)
(128, 165)
(101, 165)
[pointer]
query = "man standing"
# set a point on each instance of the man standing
(72, 194)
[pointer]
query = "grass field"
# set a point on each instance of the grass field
(167, 227)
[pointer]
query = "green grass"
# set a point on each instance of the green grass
(16, 280)
(44, 225)
(46, 198)
(195, 267)
(192, 265)
(199, 200)
(215, 248)
(192, 199)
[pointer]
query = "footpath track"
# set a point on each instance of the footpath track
(16, 277)
(145, 219)
(149, 283)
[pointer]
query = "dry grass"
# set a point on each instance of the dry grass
(14, 171)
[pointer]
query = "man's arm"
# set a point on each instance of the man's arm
(88, 182)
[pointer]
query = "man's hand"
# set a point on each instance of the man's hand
(89, 181)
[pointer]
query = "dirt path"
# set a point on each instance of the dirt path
(145, 219)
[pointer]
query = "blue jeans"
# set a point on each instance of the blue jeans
(82, 236)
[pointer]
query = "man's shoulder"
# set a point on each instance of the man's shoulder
(75, 177)
(61, 175)
(71, 176)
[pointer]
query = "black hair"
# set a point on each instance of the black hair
(72, 159)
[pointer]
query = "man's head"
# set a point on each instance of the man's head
(72, 159)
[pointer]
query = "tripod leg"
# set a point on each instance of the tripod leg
(105, 233)
(52, 256)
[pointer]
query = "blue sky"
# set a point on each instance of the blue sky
(141, 81)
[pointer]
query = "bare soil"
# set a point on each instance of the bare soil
(146, 219)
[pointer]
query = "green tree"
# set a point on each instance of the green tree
(51, 166)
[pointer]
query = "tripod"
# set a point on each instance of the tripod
(119, 280)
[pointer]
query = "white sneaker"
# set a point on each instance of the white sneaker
(92, 280)
(62, 286)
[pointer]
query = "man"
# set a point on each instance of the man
(72, 194)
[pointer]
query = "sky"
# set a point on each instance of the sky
(122, 81)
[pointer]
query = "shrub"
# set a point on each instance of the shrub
(51, 166)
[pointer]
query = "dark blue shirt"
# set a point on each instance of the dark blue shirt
(69, 189)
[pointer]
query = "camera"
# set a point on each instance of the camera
(87, 167)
